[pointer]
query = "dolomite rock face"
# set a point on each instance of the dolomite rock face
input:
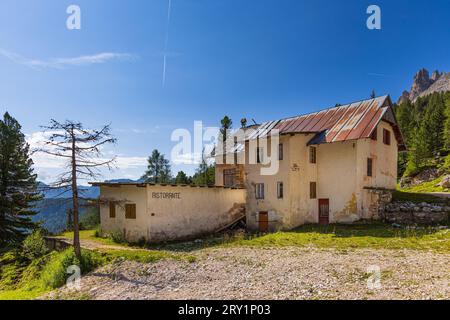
(424, 85)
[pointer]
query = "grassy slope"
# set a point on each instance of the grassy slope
(426, 187)
(375, 236)
(19, 281)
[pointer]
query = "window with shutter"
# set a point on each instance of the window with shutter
(312, 155)
(130, 211)
(280, 190)
(112, 209)
(312, 190)
(386, 137)
(369, 167)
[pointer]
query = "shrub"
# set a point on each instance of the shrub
(98, 233)
(54, 274)
(34, 246)
(117, 236)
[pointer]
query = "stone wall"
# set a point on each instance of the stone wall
(415, 213)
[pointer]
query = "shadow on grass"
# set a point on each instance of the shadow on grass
(400, 195)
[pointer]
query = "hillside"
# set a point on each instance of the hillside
(424, 118)
(53, 208)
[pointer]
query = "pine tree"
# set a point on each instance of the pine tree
(447, 121)
(418, 152)
(182, 178)
(433, 125)
(18, 187)
(406, 115)
(159, 170)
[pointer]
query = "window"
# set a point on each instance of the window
(312, 190)
(259, 191)
(312, 155)
(259, 155)
(112, 209)
(280, 190)
(229, 176)
(130, 211)
(369, 166)
(386, 137)
(374, 135)
(280, 151)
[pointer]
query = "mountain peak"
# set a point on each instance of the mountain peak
(424, 85)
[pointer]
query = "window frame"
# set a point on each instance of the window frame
(112, 209)
(130, 211)
(369, 167)
(280, 151)
(312, 155)
(280, 190)
(312, 190)
(386, 137)
(259, 191)
(259, 155)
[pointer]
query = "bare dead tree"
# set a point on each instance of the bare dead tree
(81, 148)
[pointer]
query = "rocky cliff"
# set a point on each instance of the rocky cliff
(424, 85)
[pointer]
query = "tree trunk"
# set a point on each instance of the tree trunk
(76, 230)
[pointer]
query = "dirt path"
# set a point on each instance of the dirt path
(275, 273)
(95, 245)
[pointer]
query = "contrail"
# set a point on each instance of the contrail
(166, 43)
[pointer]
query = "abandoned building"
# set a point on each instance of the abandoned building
(334, 166)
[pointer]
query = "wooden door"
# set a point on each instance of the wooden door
(324, 211)
(263, 221)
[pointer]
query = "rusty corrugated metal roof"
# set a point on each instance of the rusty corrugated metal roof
(353, 121)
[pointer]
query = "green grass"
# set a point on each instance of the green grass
(342, 237)
(430, 186)
(23, 279)
(130, 251)
(401, 195)
(356, 236)
(90, 235)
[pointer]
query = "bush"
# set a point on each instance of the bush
(54, 274)
(117, 236)
(98, 233)
(34, 246)
(90, 219)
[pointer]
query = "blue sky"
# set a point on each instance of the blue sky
(262, 59)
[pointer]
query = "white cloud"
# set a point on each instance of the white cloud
(48, 167)
(62, 63)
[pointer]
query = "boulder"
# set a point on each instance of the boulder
(445, 183)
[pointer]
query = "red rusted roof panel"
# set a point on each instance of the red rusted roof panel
(348, 122)
(364, 121)
(340, 124)
(321, 123)
(352, 123)
(373, 123)
(314, 121)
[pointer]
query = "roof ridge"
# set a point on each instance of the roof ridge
(329, 108)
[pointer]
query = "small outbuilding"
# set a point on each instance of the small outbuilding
(159, 213)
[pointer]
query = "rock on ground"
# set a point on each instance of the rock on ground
(275, 273)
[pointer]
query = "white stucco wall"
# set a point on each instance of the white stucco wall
(340, 174)
(193, 211)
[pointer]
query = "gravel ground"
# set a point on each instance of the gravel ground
(272, 273)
